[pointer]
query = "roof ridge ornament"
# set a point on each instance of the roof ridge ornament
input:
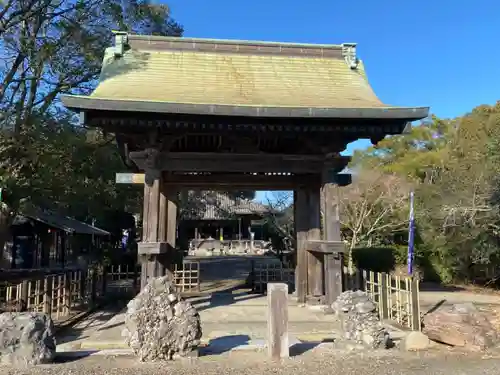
(121, 39)
(349, 53)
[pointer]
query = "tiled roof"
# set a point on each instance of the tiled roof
(64, 223)
(209, 205)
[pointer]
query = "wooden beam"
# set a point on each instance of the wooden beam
(159, 228)
(219, 181)
(150, 249)
(301, 218)
(221, 162)
(334, 266)
(314, 261)
(325, 247)
(168, 214)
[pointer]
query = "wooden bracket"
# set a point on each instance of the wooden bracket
(326, 247)
(152, 248)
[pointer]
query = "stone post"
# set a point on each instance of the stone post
(277, 320)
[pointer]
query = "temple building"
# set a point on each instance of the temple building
(223, 115)
(217, 215)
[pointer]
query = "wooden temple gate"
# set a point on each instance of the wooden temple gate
(229, 115)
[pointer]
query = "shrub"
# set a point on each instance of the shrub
(377, 259)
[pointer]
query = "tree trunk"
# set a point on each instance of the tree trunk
(350, 263)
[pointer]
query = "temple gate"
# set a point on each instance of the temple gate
(228, 115)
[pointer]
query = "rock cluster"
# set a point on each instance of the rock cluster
(460, 325)
(26, 339)
(360, 321)
(159, 325)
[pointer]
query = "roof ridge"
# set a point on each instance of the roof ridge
(125, 41)
(145, 37)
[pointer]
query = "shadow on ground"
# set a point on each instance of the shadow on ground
(224, 297)
(94, 320)
(437, 287)
(225, 344)
(60, 359)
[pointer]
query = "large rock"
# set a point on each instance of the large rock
(159, 324)
(360, 321)
(415, 341)
(460, 325)
(26, 339)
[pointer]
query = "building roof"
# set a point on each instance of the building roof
(241, 78)
(64, 223)
(211, 205)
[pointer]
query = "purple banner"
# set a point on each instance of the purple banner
(411, 236)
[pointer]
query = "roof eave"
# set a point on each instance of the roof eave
(81, 103)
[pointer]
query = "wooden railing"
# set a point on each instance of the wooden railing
(60, 294)
(124, 280)
(187, 277)
(397, 297)
(64, 293)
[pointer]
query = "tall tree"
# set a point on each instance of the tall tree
(453, 165)
(47, 48)
(373, 208)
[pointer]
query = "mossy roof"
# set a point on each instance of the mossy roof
(203, 76)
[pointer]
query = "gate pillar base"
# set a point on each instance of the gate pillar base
(155, 259)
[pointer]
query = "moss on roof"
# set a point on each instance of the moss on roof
(199, 77)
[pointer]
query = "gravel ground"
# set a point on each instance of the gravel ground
(318, 361)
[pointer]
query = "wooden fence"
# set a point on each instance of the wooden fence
(266, 272)
(62, 294)
(397, 297)
(124, 280)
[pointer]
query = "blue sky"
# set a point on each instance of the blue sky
(443, 54)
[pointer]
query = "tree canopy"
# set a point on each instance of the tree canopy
(452, 166)
(47, 159)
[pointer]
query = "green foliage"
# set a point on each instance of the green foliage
(454, 168)
(50, 48)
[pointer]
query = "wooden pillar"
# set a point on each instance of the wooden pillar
(301, 217)
(167, 225)
(309, 270)
(333, 264)
(314, 260)
(159, 226)
(295, 254)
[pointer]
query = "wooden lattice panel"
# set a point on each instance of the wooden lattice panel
(265, 273)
